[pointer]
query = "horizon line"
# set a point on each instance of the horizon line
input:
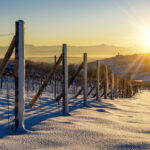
(107, 44)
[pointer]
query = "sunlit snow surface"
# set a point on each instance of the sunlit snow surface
(109, 124)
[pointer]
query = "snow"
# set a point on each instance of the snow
(108, 124)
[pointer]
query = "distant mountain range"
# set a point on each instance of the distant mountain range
(40, 53)
(93, 51)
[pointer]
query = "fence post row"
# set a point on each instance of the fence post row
(19, 76)
(122, 86)
(85, 79)
(65, 80)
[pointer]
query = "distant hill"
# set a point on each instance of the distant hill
(126, 64)
(130, 59)
(99, 50)
(42, 53)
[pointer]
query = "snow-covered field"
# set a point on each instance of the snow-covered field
(109, 124)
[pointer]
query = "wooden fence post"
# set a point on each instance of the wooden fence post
(85, 79)
(129, 87)
(112, 85)
(65, 80)
(1, 82)
(106, 82)
(123, 88)
(55, 92)
(116, 89)
(98, 81)
(19, 77)
(128, 91)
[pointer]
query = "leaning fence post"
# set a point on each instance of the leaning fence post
(65, 80)
(19, 76)
(85, 79)
(98, 81)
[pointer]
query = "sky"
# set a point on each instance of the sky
(77, 22)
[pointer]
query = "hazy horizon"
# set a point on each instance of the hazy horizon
(78, 23)
(100, 28)
(75, 53)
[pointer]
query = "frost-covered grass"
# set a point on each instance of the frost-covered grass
(109, 124)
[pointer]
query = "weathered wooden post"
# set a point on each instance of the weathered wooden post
(127, 89)
(55, 92)
(19, 77)
(1, 82)
(106, 82)
(85, 79)
(116, 87)
(112, 85)
(129, 94)
(41, 73)
(65, 80)
(120, 87)
(123, 88)
(131, 89)
(98, 81)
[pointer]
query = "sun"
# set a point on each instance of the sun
(144, 36)
(147, 38)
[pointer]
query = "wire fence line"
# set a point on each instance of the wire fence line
(7, 34)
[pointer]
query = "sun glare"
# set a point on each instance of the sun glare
(144, 36)
(147, 38)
